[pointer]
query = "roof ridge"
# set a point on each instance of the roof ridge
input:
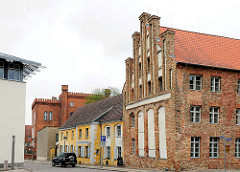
(199, 32)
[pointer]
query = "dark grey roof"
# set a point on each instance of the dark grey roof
(108, 109)
(29, 66)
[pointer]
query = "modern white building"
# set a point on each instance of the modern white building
(13, 73)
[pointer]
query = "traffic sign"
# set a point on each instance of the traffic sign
(103, 138)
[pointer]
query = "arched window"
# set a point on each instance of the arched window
(140, 134)
(118, 131)
(108, 132)
(50, 116)
(45, 116)
(132, 120)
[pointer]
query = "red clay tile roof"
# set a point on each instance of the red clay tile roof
(204, 49)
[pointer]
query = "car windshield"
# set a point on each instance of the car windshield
(70, 154)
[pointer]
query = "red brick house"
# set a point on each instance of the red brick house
(181, 99)
(54, 112)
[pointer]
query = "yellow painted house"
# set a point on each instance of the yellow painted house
(82, 132)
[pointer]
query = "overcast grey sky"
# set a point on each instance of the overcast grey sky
(84, 43)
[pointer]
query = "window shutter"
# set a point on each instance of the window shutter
(88, 151)
(115, 152)
(83, 151)
(105, 152)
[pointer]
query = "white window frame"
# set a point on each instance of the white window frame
(50, 116)
(71, 103)
(119, 151)
(108, 154)
(214, 87)
(213, 115)
(119, 131)
(213, 144)
(87, 152)
(195, 147)
(45, 117)
(72, 135)
(237, 148)
(108, 131)
(194, 113)
(194, 84)
(61, 135)
(238, 116)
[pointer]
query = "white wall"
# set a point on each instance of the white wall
(140, 134)
(12, 122)
(151, 134)
(162, 133)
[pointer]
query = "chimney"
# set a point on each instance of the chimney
(64, 88)
(107, 93)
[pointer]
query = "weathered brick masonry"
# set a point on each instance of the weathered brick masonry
(60, 109)
(158, 87)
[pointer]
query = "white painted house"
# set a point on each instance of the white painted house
(13, 73)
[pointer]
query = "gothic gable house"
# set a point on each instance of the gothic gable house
(181, 99)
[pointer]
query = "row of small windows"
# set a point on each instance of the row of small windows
(196, 83)
(118, 131)
(79, 136)
(195, 115)
(47, 116)
(213, 147)
(11, 71)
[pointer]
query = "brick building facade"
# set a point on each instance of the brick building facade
(181, 99)
(54, 112)
(28, 151)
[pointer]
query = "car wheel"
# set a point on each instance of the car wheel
(73, 165)
(53, 163)
(61, 164)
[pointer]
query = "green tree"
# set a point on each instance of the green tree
(100, 93)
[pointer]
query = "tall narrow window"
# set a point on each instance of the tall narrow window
(72, 135)
(86, 133)
(170, 78)
(237, 148)
(87, 151)
(238, 86)
(119, 152)
(108, 132)
(213, 147)
(149, 88)
(214, 115)
(238, 116)
(215, 84)
(119, 131)
(195, 82)
(50, 116)
(1, 69)
(133, 146)
(79, 151)
(108, 148)
(71, 113)
(140, 91)
(148, 64)
(195, 114)
(61, 135)
(195, 147)
(132, 94)
(160, 84)
(80, 134)
(140, 69)
(45, 116)
(67, 135)
(133, 120)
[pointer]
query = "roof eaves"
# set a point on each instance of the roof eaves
(207, 66)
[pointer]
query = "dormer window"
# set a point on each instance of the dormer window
(1, 69)
(14, 71)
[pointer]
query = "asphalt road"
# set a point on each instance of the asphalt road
(45, 167)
